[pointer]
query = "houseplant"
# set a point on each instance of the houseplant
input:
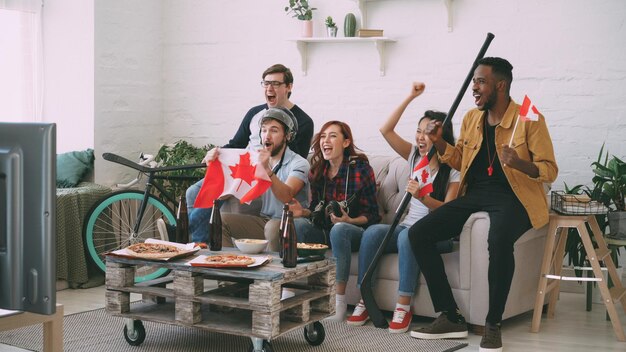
(610, 188)
(181, 153)
(331, 27)
(301, 10)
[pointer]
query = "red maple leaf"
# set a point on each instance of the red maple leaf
(424, 176)
(244, 170)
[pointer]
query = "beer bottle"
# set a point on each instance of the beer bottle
(182, 222)
(215, 230)
(281, 229)
(290, 251)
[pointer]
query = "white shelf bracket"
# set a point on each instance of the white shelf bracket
(302, 49)
(448, 4)
(380, 47)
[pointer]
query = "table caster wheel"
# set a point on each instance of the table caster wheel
(137, 335)
(314, 333)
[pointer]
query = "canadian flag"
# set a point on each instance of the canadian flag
(423, 175)
(526, 108)
(234, 172)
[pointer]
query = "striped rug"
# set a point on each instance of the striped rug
(96, 331)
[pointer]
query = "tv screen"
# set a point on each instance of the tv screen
(28, 217)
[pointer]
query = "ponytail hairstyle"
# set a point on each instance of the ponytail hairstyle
(440, 184)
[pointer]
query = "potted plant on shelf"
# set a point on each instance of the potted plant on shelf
(331, 27)
(301, 10)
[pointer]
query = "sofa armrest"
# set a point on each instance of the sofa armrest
(474, 263)
(473, 245)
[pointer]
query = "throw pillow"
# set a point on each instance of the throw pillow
(73, 166)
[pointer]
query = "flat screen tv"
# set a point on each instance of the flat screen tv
(28, 217)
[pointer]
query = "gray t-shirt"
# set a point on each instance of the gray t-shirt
(293, 165)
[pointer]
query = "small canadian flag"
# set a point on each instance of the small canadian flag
(423, 175)
(528, 111)
(234, 172)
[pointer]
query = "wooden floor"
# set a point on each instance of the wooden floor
(572, 330)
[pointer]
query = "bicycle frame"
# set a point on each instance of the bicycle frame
(151, 173)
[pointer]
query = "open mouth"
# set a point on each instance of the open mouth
(327, 150)
(477, 97)
(267, 145)
(271, 99)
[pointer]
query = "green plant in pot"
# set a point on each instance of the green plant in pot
(610, 188)
(181, 153)
(331, 27)
(301, 10)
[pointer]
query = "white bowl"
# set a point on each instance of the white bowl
(251, 246)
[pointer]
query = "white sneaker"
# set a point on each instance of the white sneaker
(340, 312)
(162, 229)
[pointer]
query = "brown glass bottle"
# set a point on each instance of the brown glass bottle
(215, 230)
(281, 229)
(182, 222)
(290, 246)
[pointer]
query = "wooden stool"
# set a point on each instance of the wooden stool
(553, 263)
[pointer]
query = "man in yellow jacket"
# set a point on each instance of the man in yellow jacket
(502, 174)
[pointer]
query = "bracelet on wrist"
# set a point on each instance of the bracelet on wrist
(271, 173)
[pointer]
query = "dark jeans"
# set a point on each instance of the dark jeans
(508, 221)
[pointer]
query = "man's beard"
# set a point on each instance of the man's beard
(491, 102)
(278, 148)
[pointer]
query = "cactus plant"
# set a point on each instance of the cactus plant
(349, 25)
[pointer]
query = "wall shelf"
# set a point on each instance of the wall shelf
(379, 43)
(361, 4)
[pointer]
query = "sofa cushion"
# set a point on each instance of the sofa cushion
(392, 176)
(73, 166)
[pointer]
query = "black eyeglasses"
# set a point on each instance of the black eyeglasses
(274, 84)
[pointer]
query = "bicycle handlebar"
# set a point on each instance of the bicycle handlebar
(123, 161)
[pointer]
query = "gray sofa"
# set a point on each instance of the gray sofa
(466, 266)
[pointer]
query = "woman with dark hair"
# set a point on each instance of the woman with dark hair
(445, 188)
(343, 202)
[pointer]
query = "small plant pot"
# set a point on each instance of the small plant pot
(307, 28)
(331, 31)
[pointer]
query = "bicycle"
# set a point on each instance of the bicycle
(129, 216)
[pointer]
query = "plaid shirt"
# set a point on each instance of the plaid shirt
(361, 178)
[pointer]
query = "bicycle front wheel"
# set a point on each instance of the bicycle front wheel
(110, 226)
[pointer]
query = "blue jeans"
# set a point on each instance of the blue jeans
(344, 239)
(398, 243)
(198, 218)
(307, 232)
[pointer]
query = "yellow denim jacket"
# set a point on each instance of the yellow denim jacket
(531, 142)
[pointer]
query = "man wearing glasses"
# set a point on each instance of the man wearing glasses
(277, 84)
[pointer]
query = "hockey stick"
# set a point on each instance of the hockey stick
(367, 293)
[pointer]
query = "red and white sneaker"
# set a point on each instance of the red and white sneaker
(400, 322)
(359, 316)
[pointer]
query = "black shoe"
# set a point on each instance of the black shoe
(442, 328)
(492, 339)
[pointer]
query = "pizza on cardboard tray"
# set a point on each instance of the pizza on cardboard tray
(153, 250)
(229, 260)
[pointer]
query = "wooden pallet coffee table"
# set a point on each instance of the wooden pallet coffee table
(247, 302)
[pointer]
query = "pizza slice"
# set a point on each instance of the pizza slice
(153, 250)
(227, 260)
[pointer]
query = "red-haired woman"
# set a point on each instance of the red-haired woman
(339, 176)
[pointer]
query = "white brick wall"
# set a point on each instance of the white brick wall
(175, 69)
